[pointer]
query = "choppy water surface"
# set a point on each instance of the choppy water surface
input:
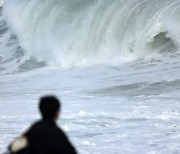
(114, 64)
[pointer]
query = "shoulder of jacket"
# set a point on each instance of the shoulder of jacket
(19, 144)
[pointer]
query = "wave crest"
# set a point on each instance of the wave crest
(86, 32)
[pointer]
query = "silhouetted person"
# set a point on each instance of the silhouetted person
(44, 137)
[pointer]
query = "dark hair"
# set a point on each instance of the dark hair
(48, 106)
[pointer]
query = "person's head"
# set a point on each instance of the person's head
(49, 107)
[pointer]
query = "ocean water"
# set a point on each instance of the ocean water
(113, 63)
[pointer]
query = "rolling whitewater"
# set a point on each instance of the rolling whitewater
(113, 63)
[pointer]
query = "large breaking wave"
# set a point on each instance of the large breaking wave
(85, 32)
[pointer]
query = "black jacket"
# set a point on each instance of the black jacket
(45, 137)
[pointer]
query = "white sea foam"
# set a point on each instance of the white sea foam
(70, 33)
(1, 2)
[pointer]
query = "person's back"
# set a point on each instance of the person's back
(44, 137)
